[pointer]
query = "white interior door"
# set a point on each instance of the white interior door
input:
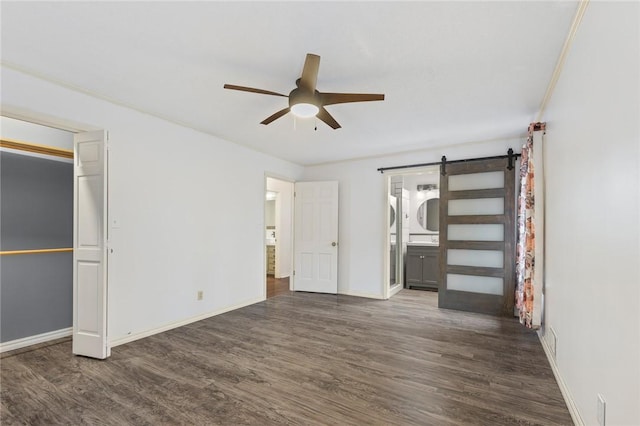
(89, 245)
(316, 237)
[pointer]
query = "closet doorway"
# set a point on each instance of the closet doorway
(87, 227)
(278, 232)
(36, 234)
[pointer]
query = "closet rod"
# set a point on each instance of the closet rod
(36, 148)
(36, 251)
(444, 161)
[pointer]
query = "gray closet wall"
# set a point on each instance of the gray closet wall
(36, 211)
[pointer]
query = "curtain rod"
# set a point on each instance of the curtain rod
(510, 154)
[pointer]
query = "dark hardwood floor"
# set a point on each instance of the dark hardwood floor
(299, 358)
(277, 286)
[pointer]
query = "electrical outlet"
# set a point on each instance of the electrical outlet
(553, 341)
(200, 294)
(602, 406)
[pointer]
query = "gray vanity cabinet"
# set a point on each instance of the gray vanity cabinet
(422, 267)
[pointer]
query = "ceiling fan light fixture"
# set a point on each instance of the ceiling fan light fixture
(304, 110)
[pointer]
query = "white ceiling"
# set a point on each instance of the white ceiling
(452, 72)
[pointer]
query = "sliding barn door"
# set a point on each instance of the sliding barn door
(89, 246)
(477, 235)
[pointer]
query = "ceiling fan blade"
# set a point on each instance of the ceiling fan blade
(310, 72)
(324, 115)
(252, 90)
(342, 98)
(275, 116)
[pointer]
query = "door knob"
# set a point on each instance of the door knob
(334, 244)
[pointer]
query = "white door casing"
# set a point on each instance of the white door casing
(316, 237)
(90, 245)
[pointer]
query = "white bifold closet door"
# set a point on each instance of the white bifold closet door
(477, 234)
(90, 245)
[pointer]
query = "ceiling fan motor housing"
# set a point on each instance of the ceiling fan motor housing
(304, 96)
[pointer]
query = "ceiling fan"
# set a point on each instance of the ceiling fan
(305, 100)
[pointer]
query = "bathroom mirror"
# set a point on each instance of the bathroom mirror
(392, 215)
(429, 214)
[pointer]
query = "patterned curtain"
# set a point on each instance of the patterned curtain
(526, 236)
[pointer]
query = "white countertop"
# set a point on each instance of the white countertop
(423, 243)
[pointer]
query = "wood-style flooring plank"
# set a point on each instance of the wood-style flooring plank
(277, 286)
(299, 359)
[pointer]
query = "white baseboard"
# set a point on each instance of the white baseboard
(171, 326)
(358, 294)
(395, 290)
(568, 399)
(34, 340)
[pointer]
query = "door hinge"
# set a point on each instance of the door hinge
(294, 272)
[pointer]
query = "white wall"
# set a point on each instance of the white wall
(34, 133)
(189, 207)
(592, 216)
(363, 208)
(270, 213)
(284, 225)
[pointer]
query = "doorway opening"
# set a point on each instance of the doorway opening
(36, 277)
(278, 231)
(413, 233)
(470, 259)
